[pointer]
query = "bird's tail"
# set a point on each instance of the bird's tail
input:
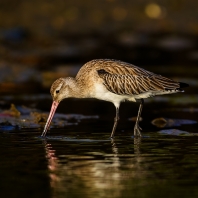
(182, 85)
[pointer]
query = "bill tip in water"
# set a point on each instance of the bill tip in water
(43, 134)
(44, 131)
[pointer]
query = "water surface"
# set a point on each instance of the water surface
(74, 162)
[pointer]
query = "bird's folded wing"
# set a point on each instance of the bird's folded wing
(134, 81)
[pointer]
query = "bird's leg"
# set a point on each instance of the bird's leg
(116, 119)
(137, 128)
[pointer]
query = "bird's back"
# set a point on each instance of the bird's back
(113, 66)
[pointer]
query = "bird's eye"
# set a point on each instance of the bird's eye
(57, 91)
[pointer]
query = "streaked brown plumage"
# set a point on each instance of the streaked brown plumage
(114, 81)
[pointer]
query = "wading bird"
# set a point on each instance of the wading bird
(114, 81)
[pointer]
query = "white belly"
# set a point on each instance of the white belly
(100, 92)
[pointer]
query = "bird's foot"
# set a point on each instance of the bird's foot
(137, 130)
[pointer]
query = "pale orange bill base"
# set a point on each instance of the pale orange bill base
(53, 109)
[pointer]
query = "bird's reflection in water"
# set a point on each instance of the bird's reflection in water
(91, 172)
(53, 164)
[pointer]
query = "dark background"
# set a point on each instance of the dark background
(42, 40)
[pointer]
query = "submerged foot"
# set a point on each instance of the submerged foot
(137, 130)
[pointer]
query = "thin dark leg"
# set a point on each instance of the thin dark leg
(137, 128)
(116, 119)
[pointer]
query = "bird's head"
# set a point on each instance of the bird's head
(61, 88)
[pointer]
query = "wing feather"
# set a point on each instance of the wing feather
(126, 79)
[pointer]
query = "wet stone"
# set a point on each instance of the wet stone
(167, 122)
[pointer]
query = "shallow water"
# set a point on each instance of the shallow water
(82, 161)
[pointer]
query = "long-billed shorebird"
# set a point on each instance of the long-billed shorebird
(114, 81)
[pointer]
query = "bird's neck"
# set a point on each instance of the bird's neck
(76, 89)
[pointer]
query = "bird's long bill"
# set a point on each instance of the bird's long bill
(53, 109)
